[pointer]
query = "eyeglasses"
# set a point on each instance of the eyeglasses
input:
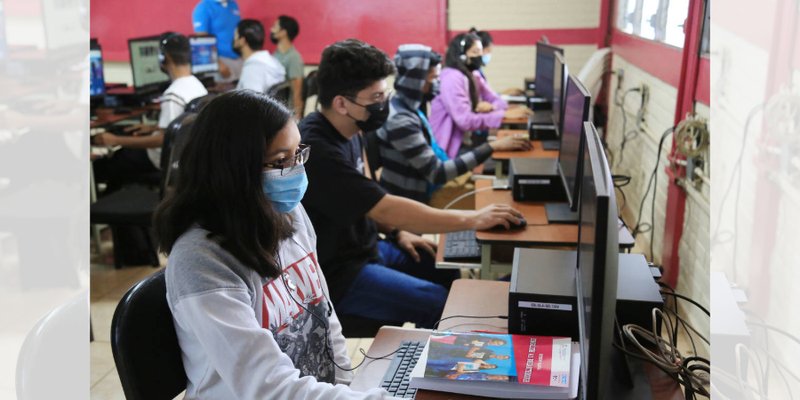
(300, 157)
(377, 98)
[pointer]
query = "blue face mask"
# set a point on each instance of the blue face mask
(486, 58)
(285, 191)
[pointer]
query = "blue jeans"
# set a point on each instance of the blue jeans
(398, 288)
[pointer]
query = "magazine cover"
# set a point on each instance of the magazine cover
(532, 360)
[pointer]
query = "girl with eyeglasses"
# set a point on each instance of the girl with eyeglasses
(248, 297)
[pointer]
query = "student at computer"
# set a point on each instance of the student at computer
(414, 165)
(392, 279)
(141, 151)
(260, 70)
(488, 44)
(283, 33)
(244, 285)
(465, 102)
(219, 18)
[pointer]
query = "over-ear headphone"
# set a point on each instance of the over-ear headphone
(162, 45)
(463, 44)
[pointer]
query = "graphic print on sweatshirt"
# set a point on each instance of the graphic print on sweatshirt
(299, 334)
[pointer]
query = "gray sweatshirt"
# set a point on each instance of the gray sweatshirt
(246, 337)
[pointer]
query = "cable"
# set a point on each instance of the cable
(465, 195)
(655, 191)
(640, 227)
(680, 296)
(436, 324)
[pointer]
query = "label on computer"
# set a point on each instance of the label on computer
(534, 181)
(545, 306)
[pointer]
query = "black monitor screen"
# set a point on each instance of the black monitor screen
(204, 54)
(596, 279)
(576, 112)
(545, 62)
(144, 62)
(97, 83)
(559, 83)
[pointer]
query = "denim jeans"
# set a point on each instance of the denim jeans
(398, 288)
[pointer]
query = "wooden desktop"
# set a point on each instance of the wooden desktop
(478, 298)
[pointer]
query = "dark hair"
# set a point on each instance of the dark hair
(348, 67)
(253, 33)
(457, 48)
(435, 58)
(290, 24)
(220, 181)
(176, 46)
(486, 38)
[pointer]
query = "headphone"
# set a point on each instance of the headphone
(463, 44)
(162, 45)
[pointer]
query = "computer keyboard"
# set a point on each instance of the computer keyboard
(397, 376)
(461, 245)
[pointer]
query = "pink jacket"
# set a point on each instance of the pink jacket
(451, 110)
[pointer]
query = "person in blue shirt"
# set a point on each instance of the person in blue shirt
(220, 18)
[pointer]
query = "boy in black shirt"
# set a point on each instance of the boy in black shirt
(378, 279)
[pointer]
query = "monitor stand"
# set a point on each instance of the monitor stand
(551, 144)
(627, 380)
(560, 213)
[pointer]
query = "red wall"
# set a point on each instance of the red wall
(385, 24)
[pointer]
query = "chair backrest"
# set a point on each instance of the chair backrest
(281, 92)
(310, 87)
(144, 343)
(175, 137)
(372, 149)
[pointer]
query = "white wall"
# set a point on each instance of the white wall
(511, 64)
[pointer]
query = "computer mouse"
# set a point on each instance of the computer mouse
(513, 227)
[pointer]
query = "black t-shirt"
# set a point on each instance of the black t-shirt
(338, 198)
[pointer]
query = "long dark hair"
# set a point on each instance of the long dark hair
(220, 183)
(453, 60)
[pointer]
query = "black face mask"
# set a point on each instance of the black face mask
(378, 114)
(474, 63)
(433, 92)
(273, 38)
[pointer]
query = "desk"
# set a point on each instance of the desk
(106, 116)
(491, 299)
(536, 151)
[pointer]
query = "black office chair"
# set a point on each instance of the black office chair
(281, 92)
(129, 211)
(373, 152)
(145, 344)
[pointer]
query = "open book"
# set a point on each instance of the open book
(504, 366)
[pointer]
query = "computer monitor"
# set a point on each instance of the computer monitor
(596, 280)
(570, 154)
(97, 83)
(545, 63)
(560, 74)
(147, 72)
(204, 54)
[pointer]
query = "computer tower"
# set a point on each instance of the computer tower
(541, 298)
(535, 179)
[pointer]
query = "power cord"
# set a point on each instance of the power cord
(436, 324)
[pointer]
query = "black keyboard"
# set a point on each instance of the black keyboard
(396, 378)
(461, 246)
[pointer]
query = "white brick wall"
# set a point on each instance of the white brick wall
(638, 162)
(523, 14)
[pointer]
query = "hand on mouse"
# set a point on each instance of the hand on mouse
(494, 215)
